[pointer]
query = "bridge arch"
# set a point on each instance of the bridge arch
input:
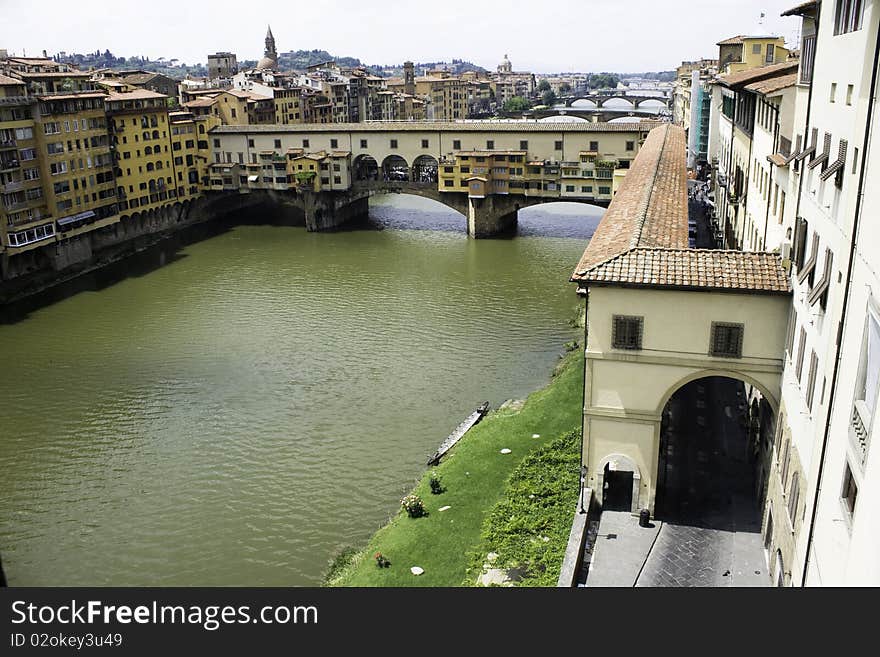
(726, 374)
(651, 102)
(618, 102)
(365, 168)
(586, 103)
(395, 168)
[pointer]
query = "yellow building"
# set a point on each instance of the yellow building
(23, 211)
(741, 53)
(140, 127)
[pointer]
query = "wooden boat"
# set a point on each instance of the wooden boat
(460, 430)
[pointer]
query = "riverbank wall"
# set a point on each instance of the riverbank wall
(26, 274)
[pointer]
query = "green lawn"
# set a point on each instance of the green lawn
(473, 475)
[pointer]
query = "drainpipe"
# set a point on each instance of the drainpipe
(584, 460)
(852, 253)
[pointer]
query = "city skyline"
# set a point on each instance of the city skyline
(661, 34)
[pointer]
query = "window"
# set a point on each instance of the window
(393, 143)
(216, 143)
(424, 143)
(305, 143)
(756, 48)
(771, 53)
(604, 190)
(557, 145)
(594, 145)
(726, 340)
(847, 16)
(627, 331)
(490, 144)
(630, 145)
(811, 380)
(793, 495)
(523, 145)
(833, 92)
(789, 339)
(569, 188)
(363, 143)
(277, 143)
(850, 491)
(867, 384)
(250, 142)
(849, 94)
(802, 345)
(456, 144)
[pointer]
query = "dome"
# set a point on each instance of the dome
(266, 62)
(505, 66)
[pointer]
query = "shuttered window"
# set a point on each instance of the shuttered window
(726, 340)
(627, 332)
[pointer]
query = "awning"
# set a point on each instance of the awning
(82, 216)
(253, 178)
(826, 151)
(838, 164)
(822, 286)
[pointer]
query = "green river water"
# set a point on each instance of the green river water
(266, 396)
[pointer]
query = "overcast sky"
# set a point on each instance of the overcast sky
(552, 36)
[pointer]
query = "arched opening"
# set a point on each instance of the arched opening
(618, 103)
(150, 166)
(716, 444)
(155, 134)
(620, 484)
(584, 103)
(576, 220)
(365, 168)
(652, 103)
(409, 211)
(395, 168)
(148, 150)
(424, 169)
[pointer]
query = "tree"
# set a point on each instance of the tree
(516, 104)
(543, 85)
(548, 98)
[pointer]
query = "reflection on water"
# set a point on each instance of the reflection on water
(267, 396)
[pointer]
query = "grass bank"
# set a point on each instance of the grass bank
(473, 476)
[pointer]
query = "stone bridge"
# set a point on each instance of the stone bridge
(600, 99)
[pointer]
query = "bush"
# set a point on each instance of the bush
(414, 506)
(436, 484)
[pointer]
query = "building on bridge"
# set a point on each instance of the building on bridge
(486, 171)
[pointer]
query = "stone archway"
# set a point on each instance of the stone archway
(395, 169)
(424, 169)
(365, 168)
(615, 464)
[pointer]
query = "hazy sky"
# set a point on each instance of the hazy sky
(557, 35)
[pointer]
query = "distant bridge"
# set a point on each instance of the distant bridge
(599, 99)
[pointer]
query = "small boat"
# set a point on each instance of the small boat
(460, 430)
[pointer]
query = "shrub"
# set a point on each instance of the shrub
(436, 484)
(414, 506)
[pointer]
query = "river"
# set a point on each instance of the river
(266, 396)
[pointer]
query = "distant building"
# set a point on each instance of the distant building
(222, 65)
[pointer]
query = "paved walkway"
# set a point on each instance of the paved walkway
(619, 549)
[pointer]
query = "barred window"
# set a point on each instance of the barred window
(726, 340)
(850, 491)
(627, 332)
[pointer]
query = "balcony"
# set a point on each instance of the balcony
(9, 164)
(7, 144)
(12, 186)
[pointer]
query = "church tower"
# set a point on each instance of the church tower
(270, 56)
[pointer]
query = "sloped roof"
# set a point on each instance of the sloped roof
(650, 207)
(743, 78)
(772, 85)
(801, 9)
(732, 41)
(686, 269)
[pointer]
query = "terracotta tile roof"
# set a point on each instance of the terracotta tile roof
(692, 269)
(732, 41)
(201, 102)
(6, 81)
(650, 207)
(755, 74)
(451, 126)
(775, 84)
(800, 9)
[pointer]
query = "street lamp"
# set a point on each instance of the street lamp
(583, 482)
